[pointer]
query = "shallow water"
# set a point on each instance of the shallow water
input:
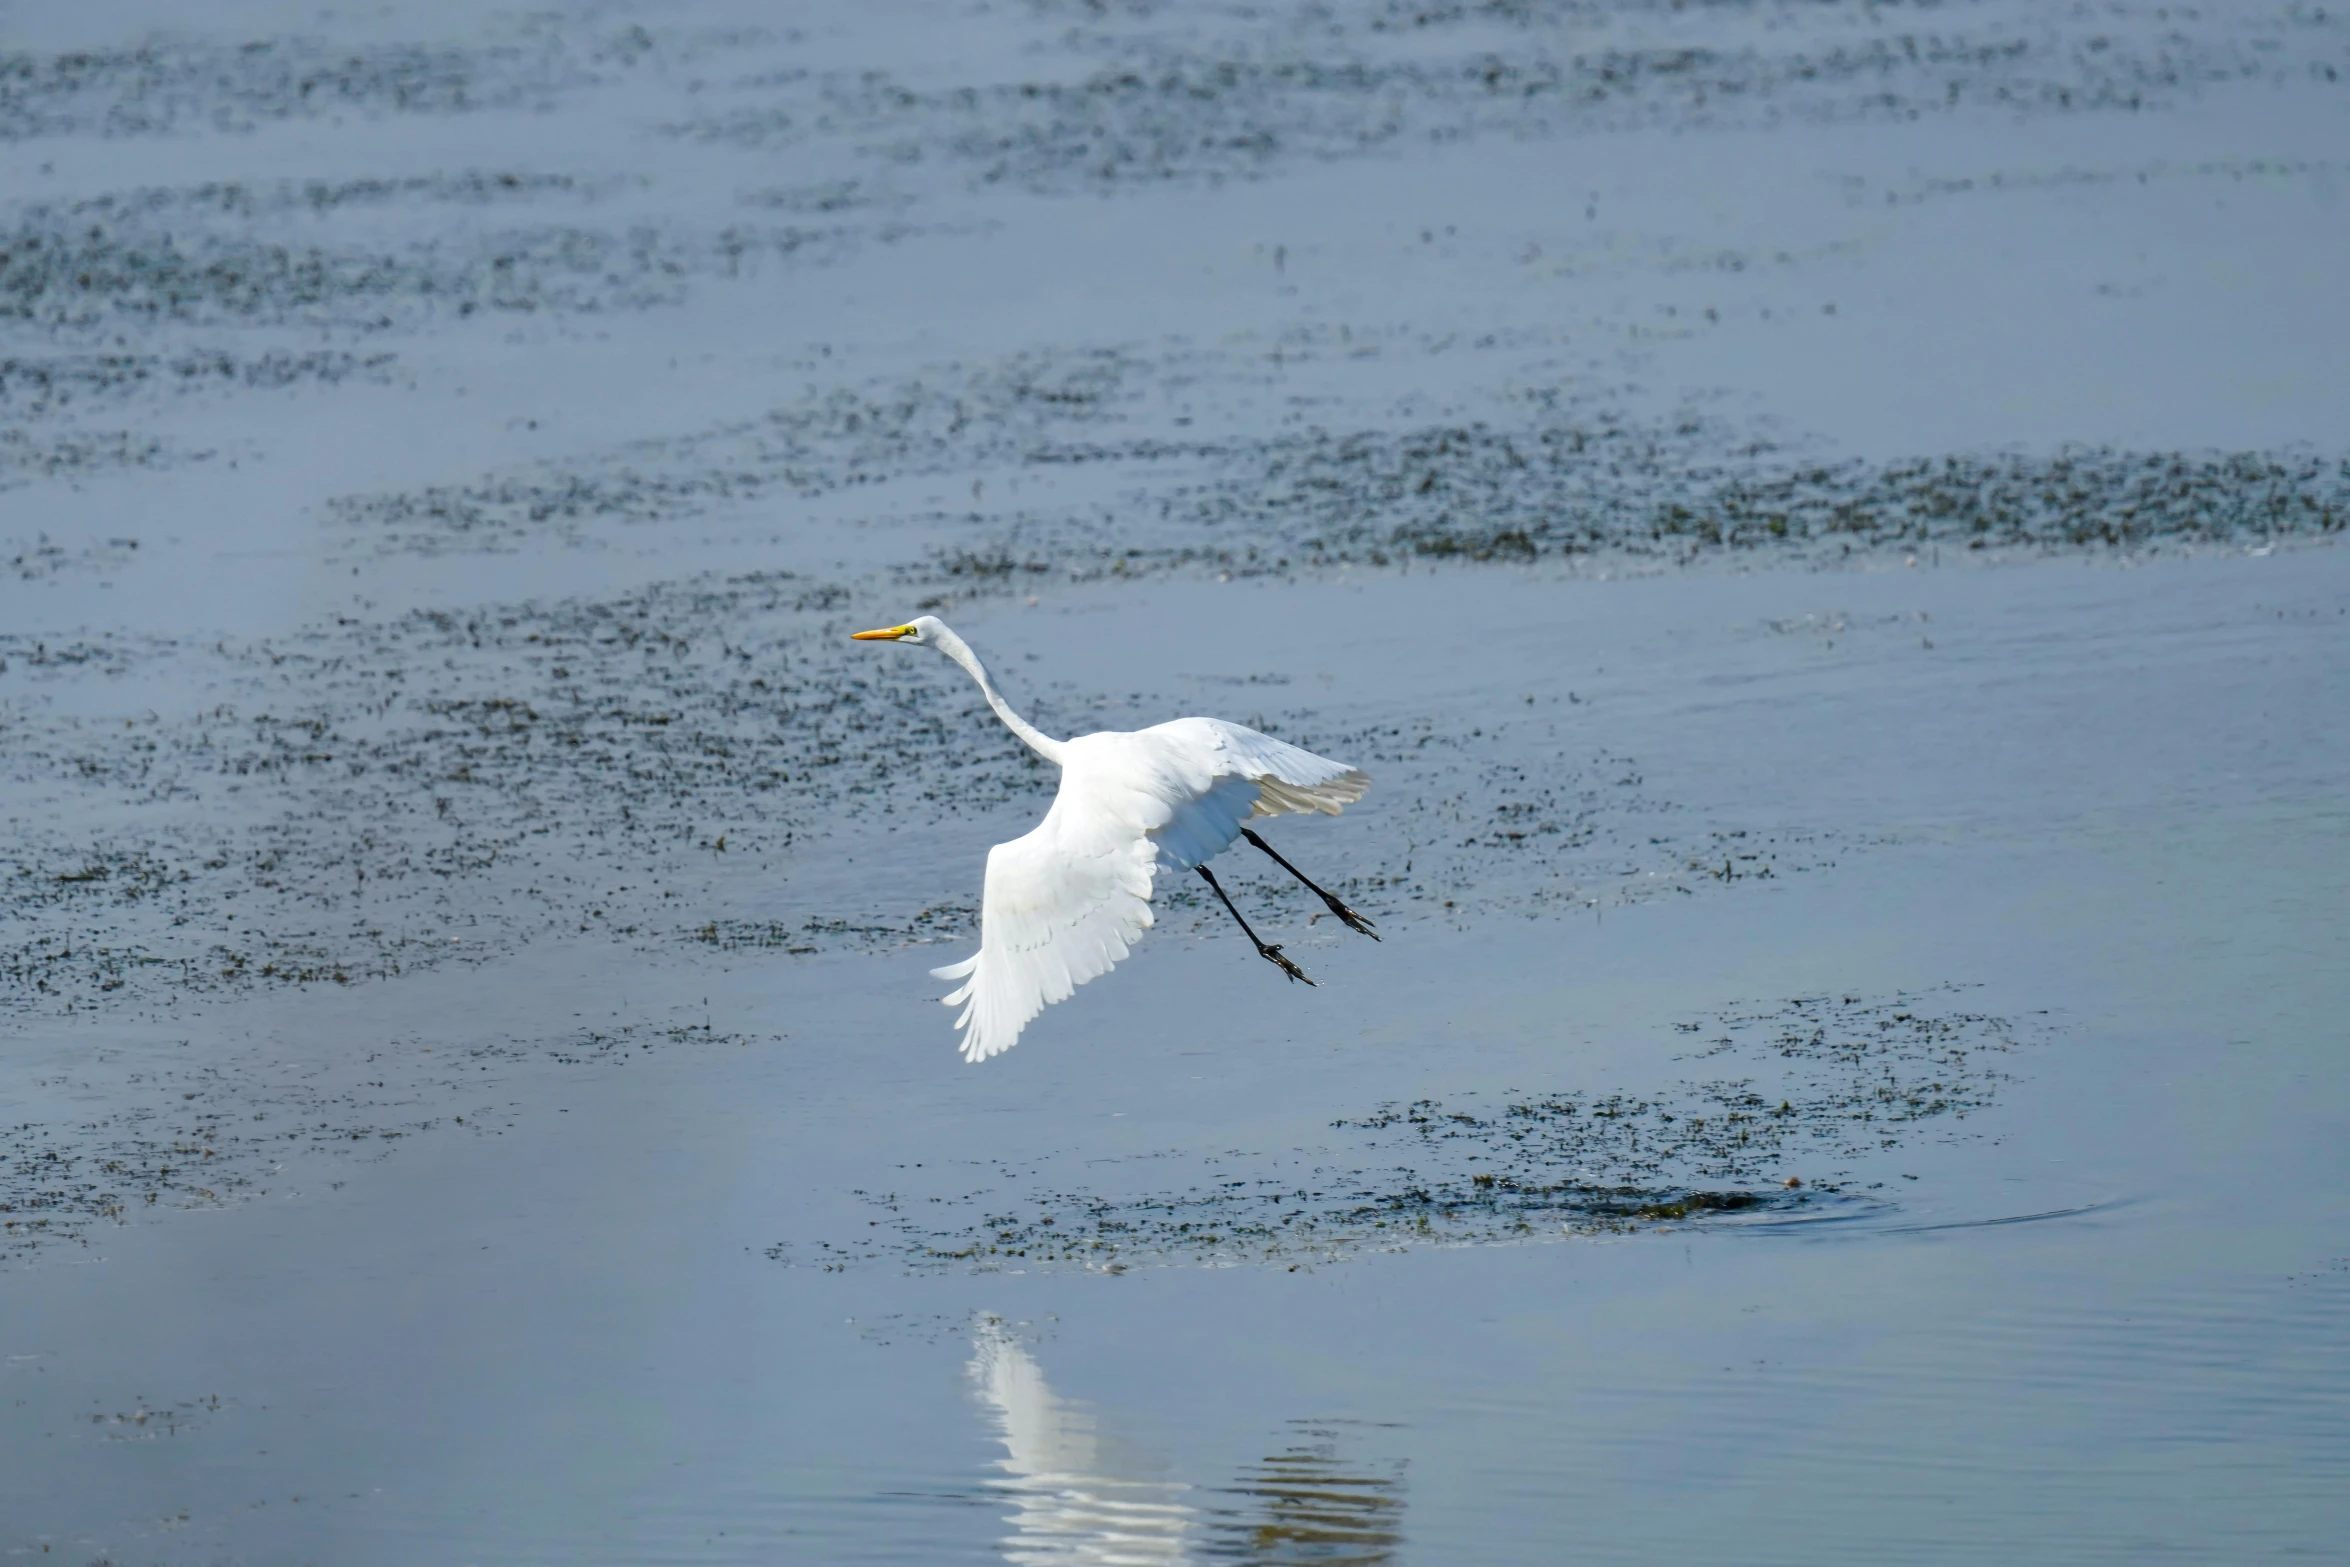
(1822, 522)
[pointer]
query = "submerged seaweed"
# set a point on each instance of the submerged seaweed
(1577, 478)
(632, 767)
(1148, 102)
(216, 1131)
(168, 84)
(1679, 491)
(35, 386)
(61, 272)
(1838, 1081)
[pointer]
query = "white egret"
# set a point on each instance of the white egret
(1064, 903)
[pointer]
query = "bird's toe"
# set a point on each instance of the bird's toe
(1273, 955)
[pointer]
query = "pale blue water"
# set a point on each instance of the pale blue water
(599, 1214)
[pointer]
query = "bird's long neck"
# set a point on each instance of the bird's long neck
(1036, 739)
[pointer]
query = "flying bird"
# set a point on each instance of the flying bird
(1065, 902)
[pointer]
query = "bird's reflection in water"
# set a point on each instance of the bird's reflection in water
(1076, 1499)
(1307, 1504)
(1080, 1499)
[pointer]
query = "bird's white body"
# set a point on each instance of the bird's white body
(1064, 903)
(1067, 901)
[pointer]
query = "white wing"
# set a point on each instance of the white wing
(1061, 906)
(1064, 903)
(1249, 775)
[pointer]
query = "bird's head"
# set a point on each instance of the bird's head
(921, 629)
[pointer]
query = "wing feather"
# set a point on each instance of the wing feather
(1065, 902)
(1261, 775)
(1062, 905)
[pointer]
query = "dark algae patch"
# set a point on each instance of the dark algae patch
(1575, 478)
(214, 1130)
(168, 84)
(61, 272)
(1140, 98)
(950, 420)
(28, 457)
(33, 386)
(1832, 1085)
(376, 797)
(1608, 488)
(319, 254)
(39, 558)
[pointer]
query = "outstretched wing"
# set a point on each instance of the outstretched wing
(1062, 904)
(1065, 902)
(1244, 775)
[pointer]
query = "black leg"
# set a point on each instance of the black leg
(1353, 920)
(1269, 954)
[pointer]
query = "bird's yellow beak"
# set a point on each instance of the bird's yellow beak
(891, 635)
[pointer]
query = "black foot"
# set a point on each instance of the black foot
(1269, 954)
(1273, 955)
(1353, 920)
